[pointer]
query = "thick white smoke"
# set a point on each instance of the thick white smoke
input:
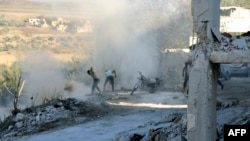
(123, 39)
(43, 76)
(45, 79)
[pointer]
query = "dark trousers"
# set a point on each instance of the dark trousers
(219, 82)
(185, 81)
(95, 85)
(109, 79)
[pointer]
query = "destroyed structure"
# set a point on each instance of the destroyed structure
(211, 49)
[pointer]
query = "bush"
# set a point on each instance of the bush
(4, 30)
(8, 78)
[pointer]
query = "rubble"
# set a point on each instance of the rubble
(55, 113)
(174, 127)
(229, 42)
(171, 126)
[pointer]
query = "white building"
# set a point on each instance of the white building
(234, 19)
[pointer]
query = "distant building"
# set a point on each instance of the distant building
(86, 28)
(234, 19)
(35, 22)
(61, 27)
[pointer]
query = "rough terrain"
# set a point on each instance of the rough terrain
(125, 117)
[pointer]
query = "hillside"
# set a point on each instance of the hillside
(18, 34)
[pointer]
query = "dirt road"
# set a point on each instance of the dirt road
(128, 114)
(236, 89)
(138, 113)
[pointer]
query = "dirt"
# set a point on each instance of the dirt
(236, 89)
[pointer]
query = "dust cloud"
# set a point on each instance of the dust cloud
(42, 75)
(127, 33)
(45, 79)
(126, 37)
(127, 40)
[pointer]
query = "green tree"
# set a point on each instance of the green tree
(240, 3)
(8, 81)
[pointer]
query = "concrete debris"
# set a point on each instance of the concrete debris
(245, 102)
(174, 128)
(136, 137)
(228, 113)
(175, 117)
(227, 103)
(56, 113)
(229, 43)
(61, 113)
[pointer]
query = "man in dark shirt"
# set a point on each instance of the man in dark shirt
(185, 74)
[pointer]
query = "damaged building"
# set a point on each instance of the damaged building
(212, 48)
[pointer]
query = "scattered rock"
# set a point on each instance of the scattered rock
(245, 102)
(136, 137)
(53, 114)
(19, 124)
(19, 116)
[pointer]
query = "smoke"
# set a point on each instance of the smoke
(126, 37)
(129, 35)
(42, 75)
(45, 79)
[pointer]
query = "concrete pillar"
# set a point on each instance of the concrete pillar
(201, 112)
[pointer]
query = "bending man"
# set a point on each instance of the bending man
(110, 75)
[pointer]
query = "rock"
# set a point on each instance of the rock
(49, 117)
(37, 118)
(33, 123)
(49, 108)
(80, 119)
(177, 138)
(19, 124)
(245, 103)
(122, 138)
(10, 134)
(43, 118)
(10, 127)
(58, 105)
(161, 137)
(136, 137)
(20, 116)
(177, 119)
(39, 113)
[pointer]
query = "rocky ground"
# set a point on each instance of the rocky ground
(232, 108)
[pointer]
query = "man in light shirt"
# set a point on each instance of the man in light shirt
(110, 75)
